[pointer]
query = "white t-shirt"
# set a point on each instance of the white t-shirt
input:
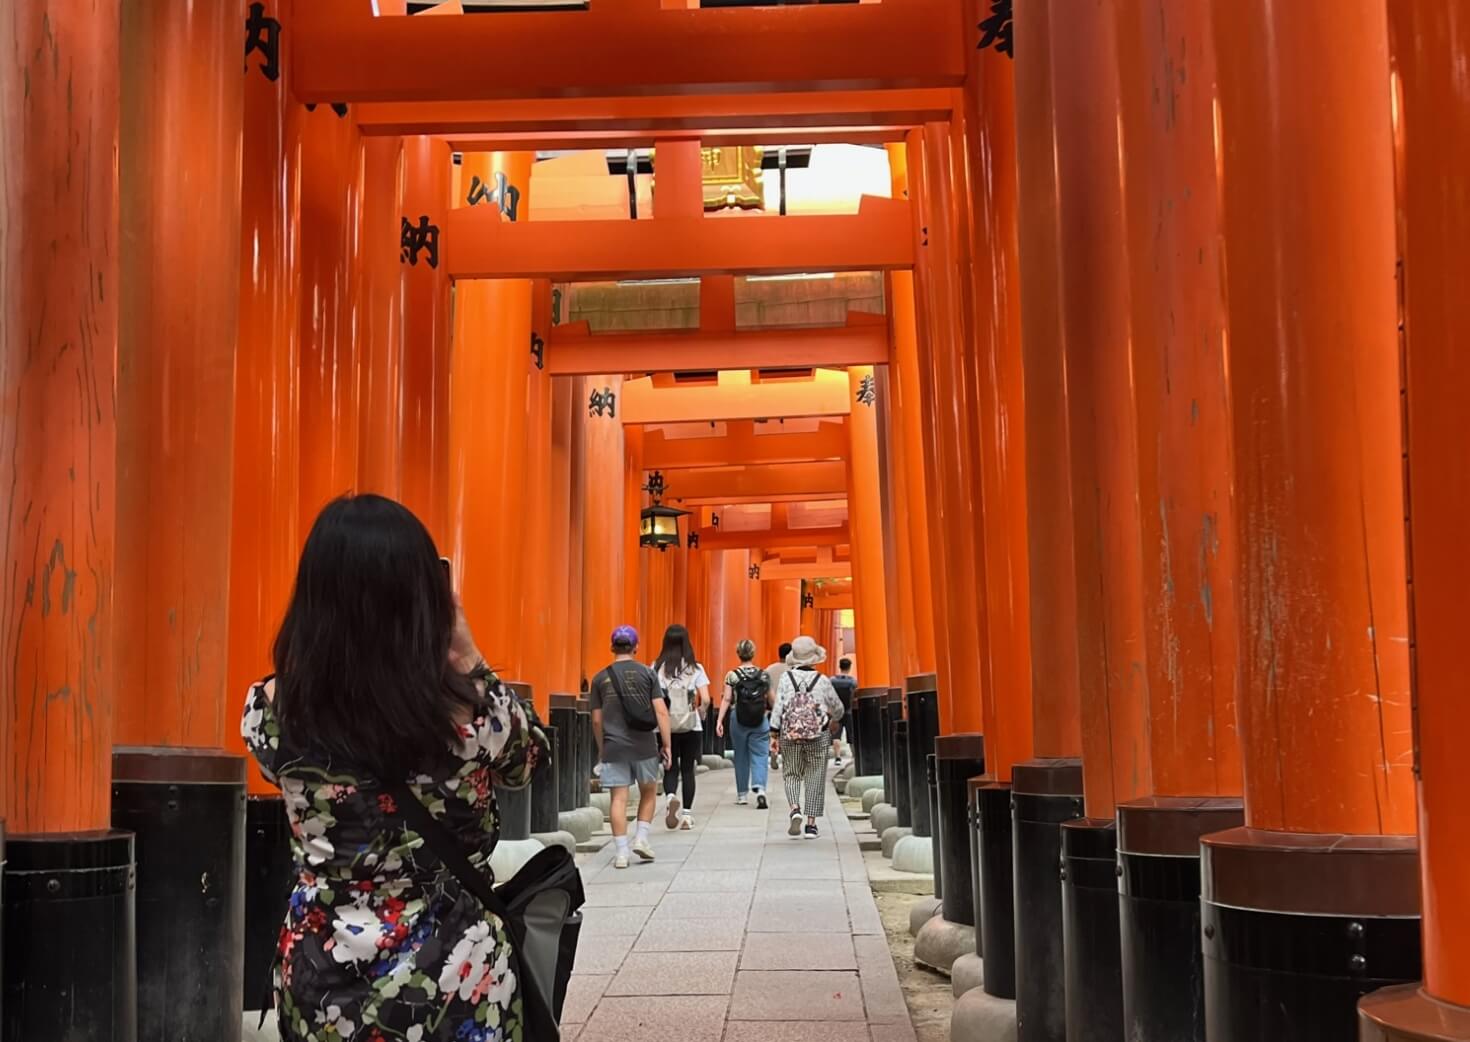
(700, 679)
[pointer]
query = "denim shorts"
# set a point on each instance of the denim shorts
(623, 775)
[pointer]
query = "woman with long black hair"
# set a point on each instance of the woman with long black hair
(686, 686)
(379, 683)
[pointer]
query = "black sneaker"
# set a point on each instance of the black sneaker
(760, 801)
(811, 832)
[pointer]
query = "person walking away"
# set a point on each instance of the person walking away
(686, 688)
(775, 671)
(806, 715)
(629, 719)
(845, 684)
(747, 700)
(379, 688)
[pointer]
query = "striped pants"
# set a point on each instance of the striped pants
(804, 766)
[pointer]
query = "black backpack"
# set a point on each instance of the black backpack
(751, 685)
(637, 707)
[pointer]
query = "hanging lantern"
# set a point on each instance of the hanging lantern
(658, 525)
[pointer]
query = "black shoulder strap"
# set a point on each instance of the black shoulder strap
(438, 839)
(612, 674)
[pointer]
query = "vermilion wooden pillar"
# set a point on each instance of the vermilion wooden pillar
(1431, 45)
(1107, 526)
(942, 343)
(1047, 790)
(331, 292)
(633, 499)
(540, 617)
(58, 349)
(565, 634)
(425, 453)
(865, 517)
(990, 105)
(265, 534)
(179, 190)
(488, 423)
(1178, 371)
(58, 437)
(1307, 167)
(990, 102)
(380, 452)
(908, 432)
(603, 519)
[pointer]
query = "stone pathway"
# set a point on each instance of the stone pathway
(736, 933)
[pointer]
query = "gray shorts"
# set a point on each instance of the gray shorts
(623, 775)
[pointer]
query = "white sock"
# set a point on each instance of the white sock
(642, 831)
(622, 842)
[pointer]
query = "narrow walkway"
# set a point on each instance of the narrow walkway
(736, 933)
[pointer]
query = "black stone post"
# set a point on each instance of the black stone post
(515, 804)
(269, 880)
(867, 715)
(186, 809)
(1159, 914)
(922, 695)
(892, 714)
(902, 783)
(957, 759)
(995, 895)
(544, 785)
(931, 777)
(1094, 967)
(586, 750)
(70, 946)
(564, 720)
(1044, 793)
(1297, 928)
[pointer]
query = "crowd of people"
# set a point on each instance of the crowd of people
(649, 721)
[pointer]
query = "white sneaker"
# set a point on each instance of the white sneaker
(621, 861)
(672, 818)
(740, 800)
(796, 822)
(642, 849)
(687, 823)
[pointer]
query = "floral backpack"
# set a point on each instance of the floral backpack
(803, 717)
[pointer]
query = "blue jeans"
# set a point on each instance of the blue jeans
(752, 754)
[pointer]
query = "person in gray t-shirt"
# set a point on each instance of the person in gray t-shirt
(628, 755)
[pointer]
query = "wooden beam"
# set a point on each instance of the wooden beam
(598, 140)
(775, 570)
(620, 48)
(742, 445)
(573, 351)
(730, 118)
(772, 538)
(735, 397)
(762, 484)
(479, 245)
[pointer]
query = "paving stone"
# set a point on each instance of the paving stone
(620, 894)
(690, 935)
(882, 994)
(713, 881)
(676, 973)
(602, 954)
(862, 910)
(583, 994)
(659, 1019)
(729, 907)
(803, 1031)
(639, 872)
(597, 922)
(897, 1031)
(801, 913)
(824, 995)
(798, 951)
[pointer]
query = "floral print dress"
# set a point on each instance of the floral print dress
(380, 941)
